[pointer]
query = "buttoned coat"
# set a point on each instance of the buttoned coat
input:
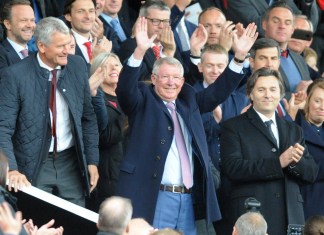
(25, 118)
(313, 193)
(151, 134)
(8, 55)
(250, 159)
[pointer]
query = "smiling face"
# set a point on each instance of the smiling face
(168, 82)
(212, 65)
(316, 107)
(82, 17)
(21, 26)
(56, 52)
(265, 95)
(112, 67)
(279, 26)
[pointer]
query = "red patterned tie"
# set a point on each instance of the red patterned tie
(156, 51)
(89, 49)
(53, 108)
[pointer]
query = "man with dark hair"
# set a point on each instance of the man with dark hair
(51, 136)
(278, 24)
(265, 156)
(19, 22)
(246, 11)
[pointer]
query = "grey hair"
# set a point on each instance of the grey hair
(310, 24)
(115, 214)
(47, 27)
(251, 223)
(169, 61)
(101, 59)
(153, 4)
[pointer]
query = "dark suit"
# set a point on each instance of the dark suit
(151, 135)
(313, 193)
(8, 55)
(302, 69)
(250, 158)
(185, 54)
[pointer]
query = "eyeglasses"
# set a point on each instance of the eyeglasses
(167, 77)
(157, 22)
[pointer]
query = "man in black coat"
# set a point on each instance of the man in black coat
(266, 162)
(48, 129)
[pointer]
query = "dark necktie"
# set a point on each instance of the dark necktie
(89, 49)
(156, 51)
(181, 146)
(268, 125)
(53, 108)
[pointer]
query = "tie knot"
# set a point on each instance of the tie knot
(24, 52)
(284, 53)
(114, 22)
(87, 44)
(170, 106)
(156, 51)
(268, 123)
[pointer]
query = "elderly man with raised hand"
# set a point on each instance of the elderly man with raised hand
(166, 172)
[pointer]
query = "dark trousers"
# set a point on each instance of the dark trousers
(60, 176)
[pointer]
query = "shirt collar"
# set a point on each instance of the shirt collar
(16, 46)
(265, 118)
(80, 40)
(45, 66)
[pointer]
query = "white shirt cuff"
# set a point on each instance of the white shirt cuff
(132, 62)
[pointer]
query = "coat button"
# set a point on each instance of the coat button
(277, 194)
(169, 128)
(163, 141)
(274, 150)
(158, 158)
(154, 175)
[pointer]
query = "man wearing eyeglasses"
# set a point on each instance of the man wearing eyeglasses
(158, 18)
(166, 168)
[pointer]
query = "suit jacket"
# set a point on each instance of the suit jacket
(151, 135)
(185, 54)
(8, 55)
(302, 69)
(250, 159)
(313, 193)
